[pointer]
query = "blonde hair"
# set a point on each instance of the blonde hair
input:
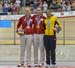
(27, 9)
(39, 8)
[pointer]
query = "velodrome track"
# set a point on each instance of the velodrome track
(67, 35)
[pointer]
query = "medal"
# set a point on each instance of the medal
(38, 26)
(28, 27)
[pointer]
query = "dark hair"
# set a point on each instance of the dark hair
(50, 10)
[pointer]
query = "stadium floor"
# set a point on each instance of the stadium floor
(58, 64)
(9, 56)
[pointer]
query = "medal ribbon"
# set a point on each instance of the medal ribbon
(28, 22)
(38, 21)
(48, 24)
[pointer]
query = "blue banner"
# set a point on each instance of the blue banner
(5, 23)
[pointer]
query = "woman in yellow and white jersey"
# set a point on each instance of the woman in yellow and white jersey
(52, 25)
